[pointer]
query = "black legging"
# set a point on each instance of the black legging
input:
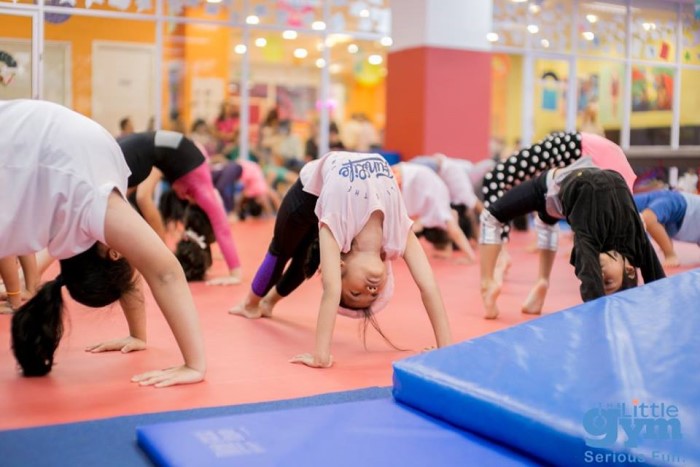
(556, 150)
(523, 199)
(296, 230)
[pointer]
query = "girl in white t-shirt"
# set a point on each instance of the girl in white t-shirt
(351, 205)
(63, 179)
(427, 200)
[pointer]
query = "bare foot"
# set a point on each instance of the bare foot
(489, 295)
(266, 307)
(535, 300)
(247, 310)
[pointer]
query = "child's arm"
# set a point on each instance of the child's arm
(430, 293)
(135, 313)
(127, 233)
(458, 237)
(658, 233)
(330, 265)
(144, 199)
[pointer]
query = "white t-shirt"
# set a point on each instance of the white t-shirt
(458, 183)
(350, 187)
(57, 169)
(426, 195)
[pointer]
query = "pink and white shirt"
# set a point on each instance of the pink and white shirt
(607, 155)
(350, 187)
(57, 169)
(252, 179)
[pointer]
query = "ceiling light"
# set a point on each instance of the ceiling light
(492, 37)
(592, 18)
(588, 35)
(544, 43)
(320, 63)
(386, 41)
(318, 25)
(353, 48)
(289, 34)
(261, 42)
(252, 19)
(240, 49)
(301, 53)
(375, 59)
(533, 28)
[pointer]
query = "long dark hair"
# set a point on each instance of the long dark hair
(37, 326)
(193, 251)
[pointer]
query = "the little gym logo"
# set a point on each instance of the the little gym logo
(635, 422)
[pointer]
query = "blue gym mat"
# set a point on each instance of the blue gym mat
(111, 442)
(365, 433)
(612, 381)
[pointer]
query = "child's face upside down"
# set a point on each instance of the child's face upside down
(614, 267)
(363, 278)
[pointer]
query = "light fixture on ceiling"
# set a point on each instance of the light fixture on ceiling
(214, 1)
(534, 8)
(261, 42)
(533, 28)
(592, 18)
(335, 68)
(364, 13)
(588, 35)
(544, 43)
(492, 37)
(375, 59)
(252, 19)
(386, 41)
(240, 49)
(289, 34)
(649, 26)
(318, 26)
(353, 48)
(301, 53)
(320, 63)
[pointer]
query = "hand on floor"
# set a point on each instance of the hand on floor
(124, 345)
(227, 280)
(169, 377)
(311, 361)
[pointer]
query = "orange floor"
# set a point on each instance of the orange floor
(248, 359)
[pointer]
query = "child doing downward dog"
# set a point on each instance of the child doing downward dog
(64, 181)
(609, 237)
(152, 156)
(352, 205)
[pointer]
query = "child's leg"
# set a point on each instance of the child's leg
(547, 242)
(524, 198)
(13, 286)
(31, 273)
(295, 220)
(295, 274)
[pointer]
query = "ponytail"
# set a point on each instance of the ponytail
(37, 328)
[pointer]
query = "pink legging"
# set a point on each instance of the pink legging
(198, 186)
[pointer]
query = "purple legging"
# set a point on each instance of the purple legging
(198, 186)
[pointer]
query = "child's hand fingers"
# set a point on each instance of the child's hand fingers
(169, 377)
(311, 361)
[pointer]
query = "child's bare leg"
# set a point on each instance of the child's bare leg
(31, 274)
(490, 288)
(13, 286)
(502, 266)
(535, 300)
(268, 302)
(249, 308)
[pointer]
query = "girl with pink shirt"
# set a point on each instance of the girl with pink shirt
(351, 205)
(556, 151)
(64, 180)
